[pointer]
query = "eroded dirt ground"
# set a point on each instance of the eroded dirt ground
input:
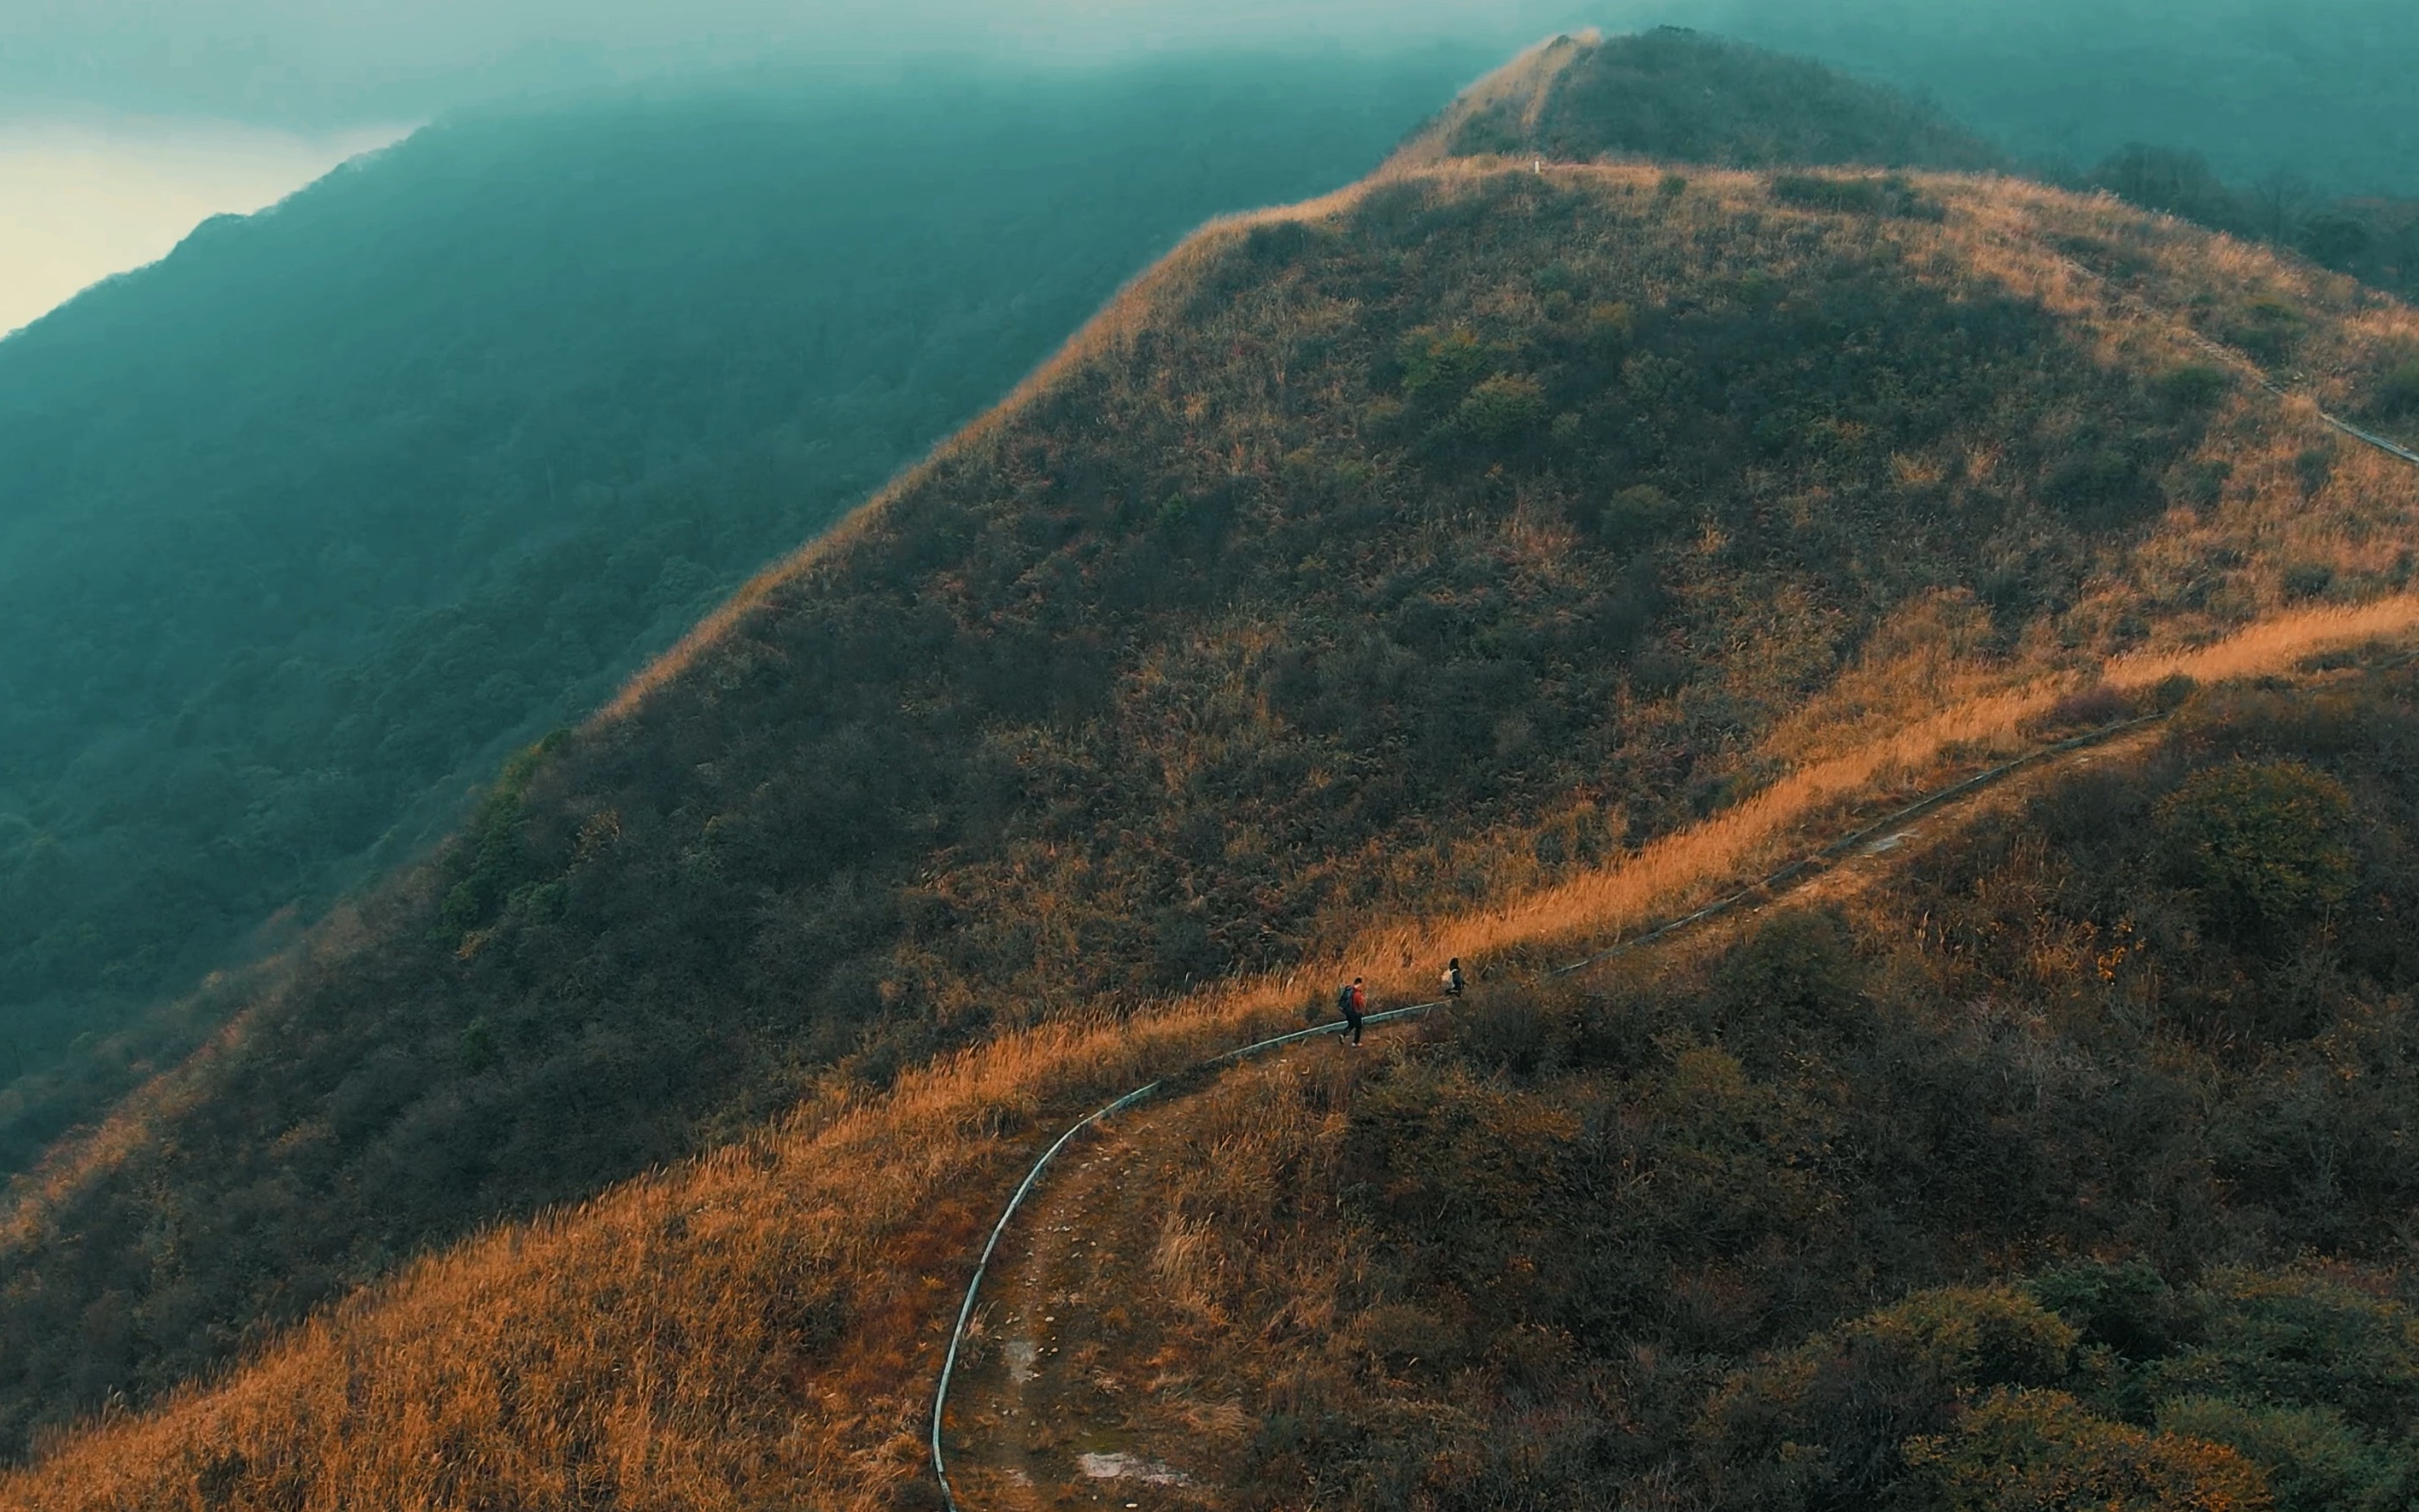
(1105, 1372)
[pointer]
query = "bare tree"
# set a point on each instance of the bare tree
(2279, 198)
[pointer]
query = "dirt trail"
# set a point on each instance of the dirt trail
(1872, 858)
(1064, 1403)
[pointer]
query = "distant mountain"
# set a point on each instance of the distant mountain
(1392, 556)
(2322, 90)
(301, 529)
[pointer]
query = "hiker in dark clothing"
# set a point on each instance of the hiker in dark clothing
(1351, 999)
(1453, 977)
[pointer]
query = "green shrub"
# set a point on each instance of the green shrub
(1501, 408)
(2125, 1307)
(2397, 394)
(2336, 241)
(2307, 580)
(2315, 468)
(2196, 386)
(2267, 328)
(1801, 966)
(1820, 192)
(2087, 708)
(485, 862)
(1443, 365)
(1824, 1424)
(1636, 518)
(2203, 484)
(2044, 1451)
(1505, 1033)
(1970, 1338)
(2264, 843)
(2313, 1460)
(477, 1045)
(2302, 1339)
(1890, 195)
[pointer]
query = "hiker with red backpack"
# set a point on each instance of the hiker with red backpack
(1353, 1000)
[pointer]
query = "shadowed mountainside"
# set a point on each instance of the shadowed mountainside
(1406, 552)
(308, 526)
(1711, 1150)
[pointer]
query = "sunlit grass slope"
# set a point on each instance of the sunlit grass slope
(1439, 544)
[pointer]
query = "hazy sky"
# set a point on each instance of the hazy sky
(124, 122)
(327, 62)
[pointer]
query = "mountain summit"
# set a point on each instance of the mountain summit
(1678, 96)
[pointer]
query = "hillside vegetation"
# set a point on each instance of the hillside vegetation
(2063, 1166)
(308, 526)
(1420, 548)
(2371, 238)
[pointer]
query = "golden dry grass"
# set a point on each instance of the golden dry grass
(1891, 759)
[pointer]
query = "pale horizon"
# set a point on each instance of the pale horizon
(83, 201)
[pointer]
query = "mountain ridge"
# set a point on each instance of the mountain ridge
(1677, 96)
(628, 849)
(805, 1213)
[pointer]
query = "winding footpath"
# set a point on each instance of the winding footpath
(1779, 884)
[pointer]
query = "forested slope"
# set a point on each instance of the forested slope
(1405, 551)
(304, 527)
